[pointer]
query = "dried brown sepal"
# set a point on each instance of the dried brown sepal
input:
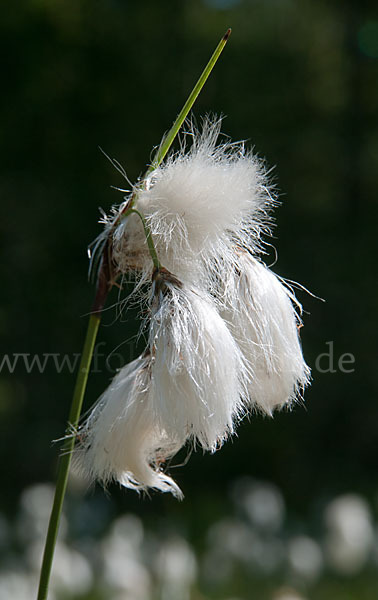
(161, 277)
(107, 277)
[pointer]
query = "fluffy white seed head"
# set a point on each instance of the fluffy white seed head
(223, 330)
(261, 312)
(198, 204)
(188, 388)
(122, 439)
(198, 373)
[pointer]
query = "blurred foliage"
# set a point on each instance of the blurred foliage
(299, 79)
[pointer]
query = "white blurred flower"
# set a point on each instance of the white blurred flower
(350, 534)
(32, 520)
(266, 555)
(72, 571)
(305, 557)
(123, 568)
(127, 532)
(262, 502)
(18, 585)
(217, 566)
(232, 537)
(176, 569)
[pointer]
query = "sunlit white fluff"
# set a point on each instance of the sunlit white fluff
(261, 312)
(223, 330)
(122, 439)
(189, 388)
(197, 204)
(197, 370)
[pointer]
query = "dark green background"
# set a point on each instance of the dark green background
(299, 79)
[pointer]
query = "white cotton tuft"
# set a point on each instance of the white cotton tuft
(223, 330)
(189, 388)
(261, 314)
(122, 440)
(197, 370)
(196, 205)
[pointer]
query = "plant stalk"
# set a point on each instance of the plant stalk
(168, 139)
(147, 233)
(65, 458)
(105, 281)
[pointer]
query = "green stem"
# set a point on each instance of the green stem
(168, 140)
(66, 456)
(147, 233)
(104, 284)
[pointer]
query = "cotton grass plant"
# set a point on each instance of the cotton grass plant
(221, 328)
(103, 269)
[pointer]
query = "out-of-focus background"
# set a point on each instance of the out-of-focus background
(289, 509)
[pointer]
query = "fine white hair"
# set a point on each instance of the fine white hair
(121, 440)
(197, 205)
(222, 327)
(188, 388)
(198, 373)
(264, 317)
